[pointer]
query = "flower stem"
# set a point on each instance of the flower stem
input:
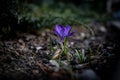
(65, 49)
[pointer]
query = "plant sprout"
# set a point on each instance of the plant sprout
(81, 56)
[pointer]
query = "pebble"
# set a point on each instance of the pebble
(89, 75)
(38, 48)
(54, 63)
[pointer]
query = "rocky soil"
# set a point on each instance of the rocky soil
(29, 57)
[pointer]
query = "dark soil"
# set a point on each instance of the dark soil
(27, 56)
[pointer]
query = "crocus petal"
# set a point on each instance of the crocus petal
(70, 34)
(58, 29)
(55, 32)
(67, 30)
(62, 31)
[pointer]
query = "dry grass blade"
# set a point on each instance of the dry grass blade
(57, 54)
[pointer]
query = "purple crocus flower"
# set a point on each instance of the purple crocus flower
(62, 32)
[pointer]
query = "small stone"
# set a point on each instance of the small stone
(54, 63)
(82, 35)
(103, 29)
(43, 34)
(72, 43)
(28, 37)
(38, 48)
(92, 38)
(89, 75)
(20, 41)
(35, 72)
